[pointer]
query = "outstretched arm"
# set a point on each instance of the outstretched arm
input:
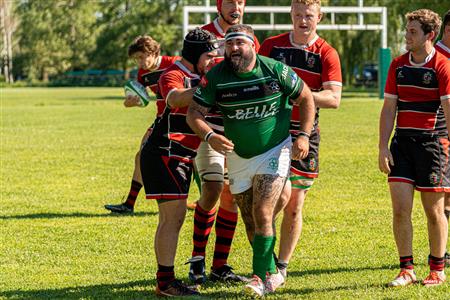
(196, 120)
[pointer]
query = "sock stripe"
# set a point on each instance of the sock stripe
(203, 222)
(226, 222)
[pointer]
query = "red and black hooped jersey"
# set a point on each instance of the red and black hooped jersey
(419, 90)
(150, 79)
(444, 50)
(171, 136)
(316, 63)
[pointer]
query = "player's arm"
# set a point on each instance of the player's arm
(307, 110)
(446, 107)
(197, 121)
(387, 118)
(180, 97)
(329, 97)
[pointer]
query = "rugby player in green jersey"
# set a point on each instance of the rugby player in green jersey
(255, 95)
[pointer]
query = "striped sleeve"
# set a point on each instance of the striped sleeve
(390, 89)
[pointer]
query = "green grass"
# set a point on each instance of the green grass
(66, 152)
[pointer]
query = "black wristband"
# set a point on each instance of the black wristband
(305, 134)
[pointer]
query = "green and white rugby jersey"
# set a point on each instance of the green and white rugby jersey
(255, 105)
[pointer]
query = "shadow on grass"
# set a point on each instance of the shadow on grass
(337, 270)
(139, 289)
(305, 291)
(75, 215)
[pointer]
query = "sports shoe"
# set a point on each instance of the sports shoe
(255, 287)
(403, 278)
(225, 273)
(176, 288)
(434, 278)
(274, 281)
(447, 259)
(197, 273)
(120, 208)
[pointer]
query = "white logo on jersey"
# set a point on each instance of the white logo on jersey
(255, 112)
(427, 77)
(284, 72)
(251, 89)
(311, 61)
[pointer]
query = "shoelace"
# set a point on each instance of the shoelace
(405, 274)
(433, 276)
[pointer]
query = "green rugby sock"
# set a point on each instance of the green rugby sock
(263, 255)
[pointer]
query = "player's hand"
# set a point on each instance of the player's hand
(300, 148)
(385, 160)
(221, 144)
(131, 101)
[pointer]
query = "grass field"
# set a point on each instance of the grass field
(66, 152)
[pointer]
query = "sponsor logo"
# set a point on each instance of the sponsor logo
(427, 77)
(251, 89)
(229, 95)
(273, 164)
(255, 112)
(311, 62)
(281, 57)
(284, 72)
(294, 79)
(400, 74)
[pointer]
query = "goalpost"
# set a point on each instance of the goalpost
(384, 55)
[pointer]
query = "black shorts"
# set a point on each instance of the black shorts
(422, 162)
(309, 166)
(165, 178)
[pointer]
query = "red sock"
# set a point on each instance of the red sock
(134, 192)
(203, 222)
(436, 263)
(225, 227)
(164, 276)
(407, 262)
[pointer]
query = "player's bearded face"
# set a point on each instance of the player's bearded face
(414, 36)
(239, 54)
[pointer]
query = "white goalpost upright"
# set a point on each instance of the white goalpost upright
(384, 52)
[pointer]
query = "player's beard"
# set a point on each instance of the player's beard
(235, 18)
(240, 64)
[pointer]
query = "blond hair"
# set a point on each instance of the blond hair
(306, 2)
(428, 19)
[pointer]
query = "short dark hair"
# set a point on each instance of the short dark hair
(145, 44)
(446, 21)
(241, 28)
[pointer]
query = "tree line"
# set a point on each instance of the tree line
(43, 38)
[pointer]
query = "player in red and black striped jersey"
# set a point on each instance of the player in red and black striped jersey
(167, 155)
(317, 64)
(417, 99)
(146, 53)
(443, 46)
(211, 168)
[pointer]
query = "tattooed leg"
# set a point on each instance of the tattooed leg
(266, 192)
(245, 203)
